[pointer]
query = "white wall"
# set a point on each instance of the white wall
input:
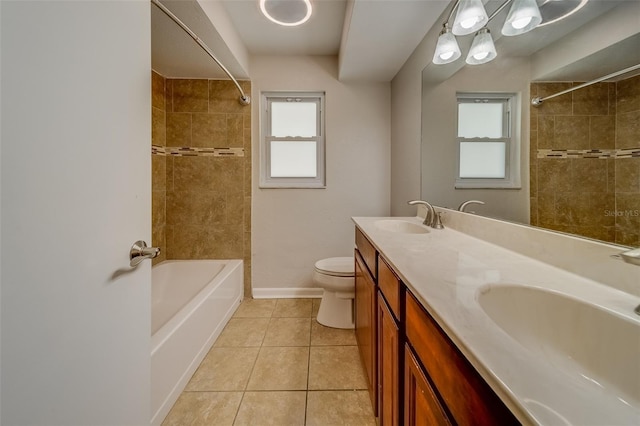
(293, 228)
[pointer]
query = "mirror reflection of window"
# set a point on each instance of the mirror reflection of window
(488, 154)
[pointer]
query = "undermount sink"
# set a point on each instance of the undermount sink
(401, 226)
(581, 338)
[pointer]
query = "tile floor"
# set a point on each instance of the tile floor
(274, 364)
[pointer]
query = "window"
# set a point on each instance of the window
(292, 140)
(488, 144)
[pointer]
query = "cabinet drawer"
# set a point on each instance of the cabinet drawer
(368, 253)
(390, 286)
(468, 397)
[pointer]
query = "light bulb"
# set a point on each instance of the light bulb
(469, 22)
(519, 24)
(481, 55)
(446, 55)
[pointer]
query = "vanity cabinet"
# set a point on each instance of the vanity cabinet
(421, 403)
(456, 383)
(365, 307)
(416, 375)
(389, 346)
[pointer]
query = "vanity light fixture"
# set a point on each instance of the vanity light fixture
(288, 13)
(471, 16)
(447, 49)
(482, 49)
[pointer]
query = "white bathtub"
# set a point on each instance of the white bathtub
(192, 301)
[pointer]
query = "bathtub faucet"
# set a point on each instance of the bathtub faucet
(140, 251)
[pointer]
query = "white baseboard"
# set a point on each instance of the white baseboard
(287, 293)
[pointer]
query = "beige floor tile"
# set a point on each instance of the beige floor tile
(255, 308)
(288, 332)
(204, 408)
(334, 408)
(224, 369)
(243, 332)
(327, 336)
(272, 408)
(316, 308)
(336, 367)
(280, 369)
(293, 308)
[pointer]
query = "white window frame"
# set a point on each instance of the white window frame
(266, 180)
(511, 138)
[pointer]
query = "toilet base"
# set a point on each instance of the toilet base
(336, 310)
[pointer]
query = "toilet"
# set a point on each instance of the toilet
(335, 276)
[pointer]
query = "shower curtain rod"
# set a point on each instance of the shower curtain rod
(538, 101)
(244, 99)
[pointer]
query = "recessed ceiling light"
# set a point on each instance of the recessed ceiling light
(286, 12)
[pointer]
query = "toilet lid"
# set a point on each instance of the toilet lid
(336, 266)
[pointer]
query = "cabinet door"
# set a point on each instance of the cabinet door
(366, 330)
(421, 405)
(388, 366)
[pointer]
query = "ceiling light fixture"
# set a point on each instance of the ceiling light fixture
(447, 49)
(471, 17)
(288, 13)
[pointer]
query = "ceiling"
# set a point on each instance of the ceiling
(373, 38)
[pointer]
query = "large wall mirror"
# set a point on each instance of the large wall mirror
(578, 154)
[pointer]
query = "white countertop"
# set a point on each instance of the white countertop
(446, 270)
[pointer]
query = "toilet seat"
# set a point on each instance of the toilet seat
(336, 266)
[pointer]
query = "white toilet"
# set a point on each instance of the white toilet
(336, 276)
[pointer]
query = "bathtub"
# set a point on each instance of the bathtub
(191, 302)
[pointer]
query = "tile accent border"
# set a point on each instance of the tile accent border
(589, 153)
(169, 151)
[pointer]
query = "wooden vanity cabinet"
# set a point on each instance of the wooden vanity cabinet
(389, 346)
(421, 403)
(365, 307)
(464, 393)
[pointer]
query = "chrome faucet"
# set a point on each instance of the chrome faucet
(631, 256)
(432, 218)
(462, 206)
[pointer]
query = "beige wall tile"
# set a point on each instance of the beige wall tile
(193, 174)
(602, 132)
(158, 173)
(196, 208)
(208, 130)
(178, 129)
(158, 127)
(592, 100)
(571, 132)
(554, 175)
(158, 208)
(588, 174)
(628, 130)
(235, 131)
(272, 408)
(628, 95)
(224, 97)
(558, 105)
(158, 99)
(546, 131)
(190, 96)
(204, 409)
(627, 175)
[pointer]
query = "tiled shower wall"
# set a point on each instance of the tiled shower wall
(585, 160)
(202, 170)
